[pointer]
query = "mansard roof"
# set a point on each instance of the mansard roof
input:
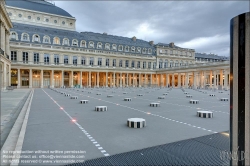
(87, 36)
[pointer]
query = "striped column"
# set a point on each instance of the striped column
(240, 89)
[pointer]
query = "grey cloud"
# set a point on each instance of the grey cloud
(177, 22)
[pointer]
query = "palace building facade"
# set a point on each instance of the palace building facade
(43, 49)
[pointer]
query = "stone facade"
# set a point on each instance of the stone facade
(48, 54)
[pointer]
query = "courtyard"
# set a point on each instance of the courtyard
(57, 122)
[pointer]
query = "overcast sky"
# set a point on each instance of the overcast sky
(200, 25)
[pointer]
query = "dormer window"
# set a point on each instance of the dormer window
(150, 51)
(56, 40)
(144, 50)
(46, 39)
(36, 38)
(99, 45)
(127, 48)
(25, 37)
(114, 47)
(120, 48)
(91, 44)
(107, 46)
(66, 41)
(74, 42)
(138, 50)
(13, 35)
(83, 43)
(132, 49)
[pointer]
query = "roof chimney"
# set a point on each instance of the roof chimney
(171, 44)
(134, 38)
(151, 43)
(105, 33)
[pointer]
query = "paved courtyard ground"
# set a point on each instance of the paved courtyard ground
(58, 123)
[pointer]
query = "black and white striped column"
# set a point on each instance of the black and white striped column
(240, 89)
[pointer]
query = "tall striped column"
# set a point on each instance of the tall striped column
(240, 89)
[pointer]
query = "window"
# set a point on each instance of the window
(25, 57)
(46, 58)
(160, 64)
(144, 65)
(99, 45)
(138, 50)
(120, 63)
(126, 63)
(127, 48)
(91, 61)
(144, 50)
(171, 52)
(107, 46)
(13, 56)
(56, 59)
(13, 35)
(154, 65)
(83, 43)
(91, 44)
(36, 38)
(25, 37)
(171, 64)
(75, 42)
(55, 21)
(83, 60)
(120, 48)
(20, 15)
(56, 40)
(66, 59)
(29, 17)
(166, 64)
(66, 41)
(99, 62)
(133, 64)
(114, 62)
(149, 65)
(166, 51)
(36, 58)
(75, 60)
(132, 49)
(107, 62)
(47, 20)
(46, 39)
(149, 51)
(176, 64)
(114, 47)
(63, 22)
(138, 64)
(38, 18)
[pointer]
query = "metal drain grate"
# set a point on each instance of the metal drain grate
(203, 150)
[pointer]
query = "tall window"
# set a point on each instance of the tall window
(144, 65)
(114, 62)
(132, 49)
(160, 64)
(120, 63)
(166, 64)
(126, 63)
(66, 59)
(36, 58)
(46, 58)
(25, 57)
(99, 62)
(107, 62)
(99, 45)
(149, 65)
(133, 64)
(91, 44)
(107, 46)
(46, 39)
(91, 61)
(56, 59)
(75, 60)
(83, 43)
(171, 64)
(13, 56)
(150, 51)
(144, 50)
(66, 42)
(138, 64)
(154, 65)
(83, 60)
(176, 64)
(114, 47)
